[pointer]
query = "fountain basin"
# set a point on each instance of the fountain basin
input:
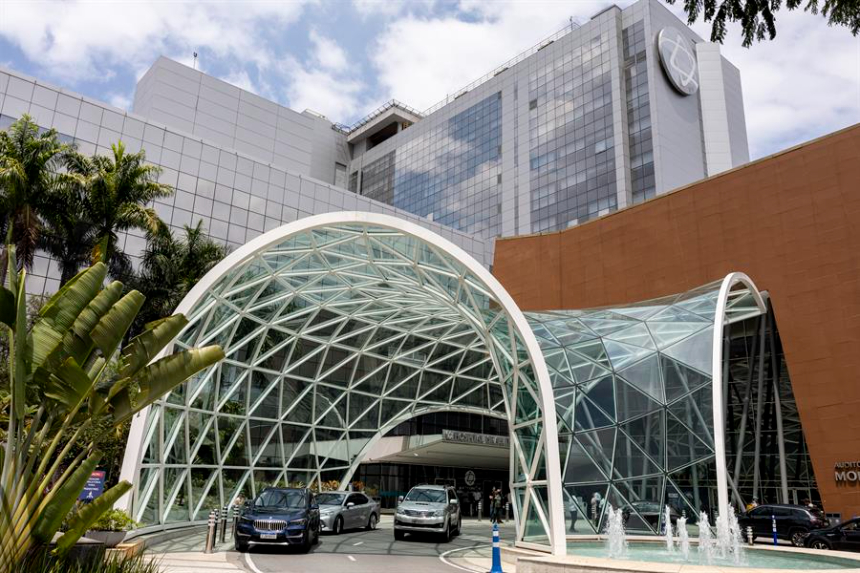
(587, 554)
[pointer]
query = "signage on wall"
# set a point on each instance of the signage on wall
(470, 478)
(479, 439)
(847, 472)
(678, 60)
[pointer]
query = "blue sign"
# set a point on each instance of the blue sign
(95, 486)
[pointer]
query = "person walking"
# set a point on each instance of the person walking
(493, 505)
(498, 506)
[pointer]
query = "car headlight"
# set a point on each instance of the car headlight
(246, 520)
(401, 511)
(301, 521)
(437, 513)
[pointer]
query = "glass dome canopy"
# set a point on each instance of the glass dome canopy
(338, 327)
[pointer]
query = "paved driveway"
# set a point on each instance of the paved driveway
(378, 552)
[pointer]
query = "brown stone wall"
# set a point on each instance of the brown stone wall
(790, 221)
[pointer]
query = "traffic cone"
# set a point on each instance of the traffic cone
(497, 551)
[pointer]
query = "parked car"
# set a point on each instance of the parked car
(279, 516)
(841, 537)
(428, 508)
(793, 522)
(341, 510)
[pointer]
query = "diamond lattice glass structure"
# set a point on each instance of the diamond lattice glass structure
(338, 327)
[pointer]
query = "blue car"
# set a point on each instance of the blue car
(279, 516)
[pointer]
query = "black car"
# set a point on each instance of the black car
(842, 537)
(650, 511)
(279, 516)
(793, 522)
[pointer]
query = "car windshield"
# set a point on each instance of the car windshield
(280, 498)
(427, 495)
(330, 498)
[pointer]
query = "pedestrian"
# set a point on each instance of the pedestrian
(492, 505)
(498, 506)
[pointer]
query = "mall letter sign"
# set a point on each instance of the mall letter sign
(847, 472)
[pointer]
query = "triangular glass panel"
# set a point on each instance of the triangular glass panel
(679, 379)
(578, 466)
(599, 446)
(668, 333)
(649, 433)
(263, 444)
(593, 350)
(696, 412)
(264, 396)
(645, 376)
(600, 392)
(637, 335)
(588, 416)
(234, 447)
(621, 354)
(630, 402)
(683, 446)
(694, 351)
(297, 410)
(292, 437)
(203, 446)
(630, 460)
(645, 509)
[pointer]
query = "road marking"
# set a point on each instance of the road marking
(359, 543)
(350, 557)
(251, 564)
(448, 563)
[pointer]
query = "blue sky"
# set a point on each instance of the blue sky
(343, 58)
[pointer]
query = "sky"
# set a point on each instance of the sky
(344, 58)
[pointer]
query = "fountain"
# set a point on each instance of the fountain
(667, 525)
(616, 537)
(719, 546)
(706, 539)
(683, 538)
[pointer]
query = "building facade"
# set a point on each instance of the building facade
(790, 221)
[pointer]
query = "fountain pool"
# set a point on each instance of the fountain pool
(753, 558)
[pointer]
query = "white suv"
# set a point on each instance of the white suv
(428, 508)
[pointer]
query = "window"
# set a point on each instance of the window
(357, 499)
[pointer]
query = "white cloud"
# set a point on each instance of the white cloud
(333, 95)
(804, 84)
(85, 40)
(122, 101)
(420, 60)
(241, 79)
(327, 53)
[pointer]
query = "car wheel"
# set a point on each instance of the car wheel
(797, 537)
(337, 528)
(241, 547)
(317, 536)
(819, 544)
(446, 536)
(306, 543)
(371, 522)
(399, 535)
(459, 526)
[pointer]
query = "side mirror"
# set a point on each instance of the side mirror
(400, 499)
(455, 501)
(315, 505)
(349, 504)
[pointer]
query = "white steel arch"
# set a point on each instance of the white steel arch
(734, 304)
(549, 511)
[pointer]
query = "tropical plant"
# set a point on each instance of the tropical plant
(118, 188)
(59, 389)
(68, 234)
(171, 266)
(114, 520)
(30, 176)
(45, 562)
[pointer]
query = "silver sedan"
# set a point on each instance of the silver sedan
(341, 510)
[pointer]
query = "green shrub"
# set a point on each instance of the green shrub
(44, 562)
(114, 520)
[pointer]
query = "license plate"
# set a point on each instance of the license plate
(268, 536)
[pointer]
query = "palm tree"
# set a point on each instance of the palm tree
(118, 188)
(30, 177)
(68, 235)
(170, 267)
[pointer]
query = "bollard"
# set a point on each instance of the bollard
(480, 510)
(210, 532)
(223, 531)
(235, 520)
(508, 511)
(773, 525)
(497, 551)
(749, 535)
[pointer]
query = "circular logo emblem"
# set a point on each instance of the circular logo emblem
(679, 60)
(470, 478)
